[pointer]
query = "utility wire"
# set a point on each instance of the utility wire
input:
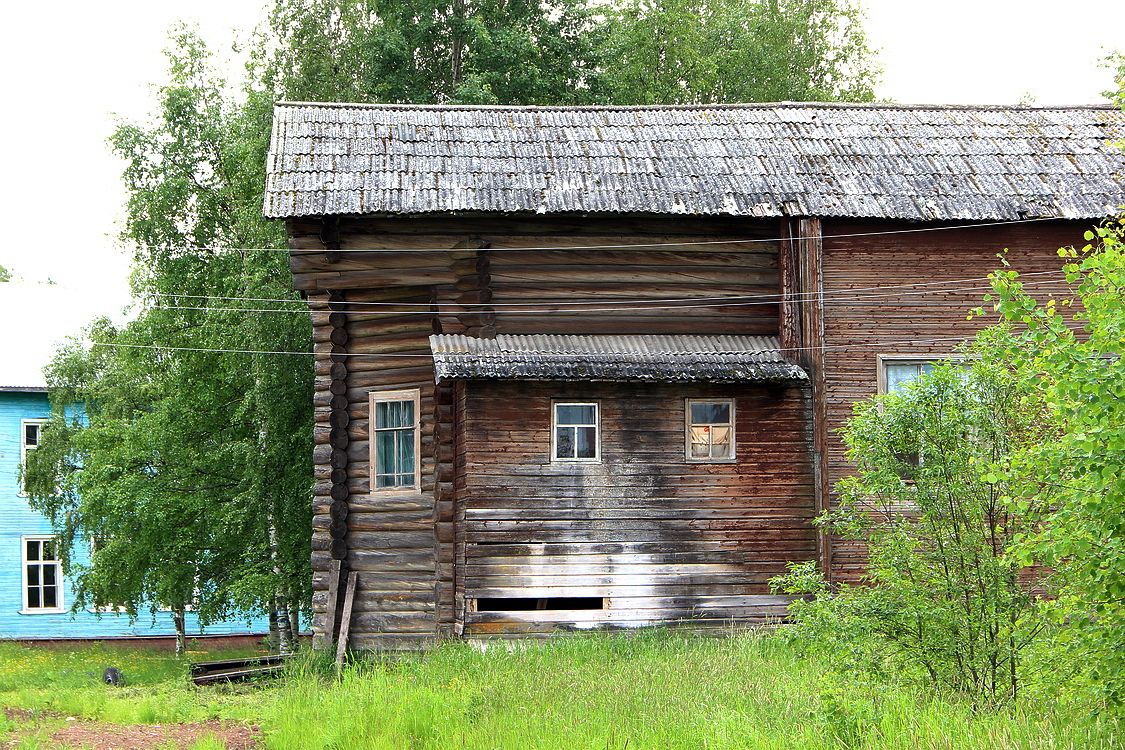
(634, 246)
(546, 308)
(852, 347)
(771, 298)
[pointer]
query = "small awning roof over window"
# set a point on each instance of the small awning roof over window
(644, 358)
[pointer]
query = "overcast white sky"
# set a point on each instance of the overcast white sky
(72, 68)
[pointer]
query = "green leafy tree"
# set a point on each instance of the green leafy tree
(708, 51)
(943, 603)
(435, 51)
(5, 275)
(201, 459)
(1071, 478)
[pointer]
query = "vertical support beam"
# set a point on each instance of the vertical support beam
(460, 495)
(788, 268)
(808, 264)
(445, 458)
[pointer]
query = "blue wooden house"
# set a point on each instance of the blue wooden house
(35, 595)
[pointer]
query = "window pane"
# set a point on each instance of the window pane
(720, 442)
(394, 414)
(33, 549)
(50, 601)
(31, 435)
(405, 458)
(32, 575)
(385, 452)
(587, 442)
(899, 375)
(33, 598)
(47, 551)
(715, 413)
(564, 442)
(581, 414)
(49, 575)
(700, 450)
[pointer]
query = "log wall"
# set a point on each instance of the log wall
(401, 279)
(919, 311)
(659, 539)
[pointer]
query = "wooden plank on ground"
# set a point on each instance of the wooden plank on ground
(346, 619)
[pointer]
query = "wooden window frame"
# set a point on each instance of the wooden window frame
(405, 394)
(909, 359)
(24, 449)
(60, 604)
(555, 403)
(687, 431)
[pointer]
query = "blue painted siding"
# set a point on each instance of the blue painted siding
(18, 520)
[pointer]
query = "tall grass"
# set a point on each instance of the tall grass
(646, 690)
(654, 690)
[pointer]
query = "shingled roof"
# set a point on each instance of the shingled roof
(653, 358)
(898, 162)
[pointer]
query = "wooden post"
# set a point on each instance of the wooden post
(788, 268)
(346, 621)
(810, 286)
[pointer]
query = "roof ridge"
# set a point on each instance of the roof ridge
(689, 107)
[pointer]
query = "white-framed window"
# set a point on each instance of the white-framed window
(896, 371)
(42, 576)
(575, 432)
(396, 441)
(31, 434)
(709, 430)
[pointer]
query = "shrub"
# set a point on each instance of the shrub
(943, 602)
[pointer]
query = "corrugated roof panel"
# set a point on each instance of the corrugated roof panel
(656, 358)
(872, 161)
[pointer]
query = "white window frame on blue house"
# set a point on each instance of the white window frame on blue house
(60, 603)
(24, 448)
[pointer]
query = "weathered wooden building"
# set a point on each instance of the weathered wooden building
(584, 368)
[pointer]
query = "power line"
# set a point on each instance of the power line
(853, 347)
(542, 308)
(772, 298)
(631, 246)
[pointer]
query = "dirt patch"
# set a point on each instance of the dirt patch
(27, 716)
(98, 736)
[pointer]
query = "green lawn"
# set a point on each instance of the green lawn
(653, 690)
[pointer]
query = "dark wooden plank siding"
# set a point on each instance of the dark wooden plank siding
(405, 548)
(659, 538)
(921, 304)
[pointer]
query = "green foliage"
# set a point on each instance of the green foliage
(708, 51)
(5, 275)
(191, 468)
(1069, 475)
(435, 51)
(568, 51)
(943, 603)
